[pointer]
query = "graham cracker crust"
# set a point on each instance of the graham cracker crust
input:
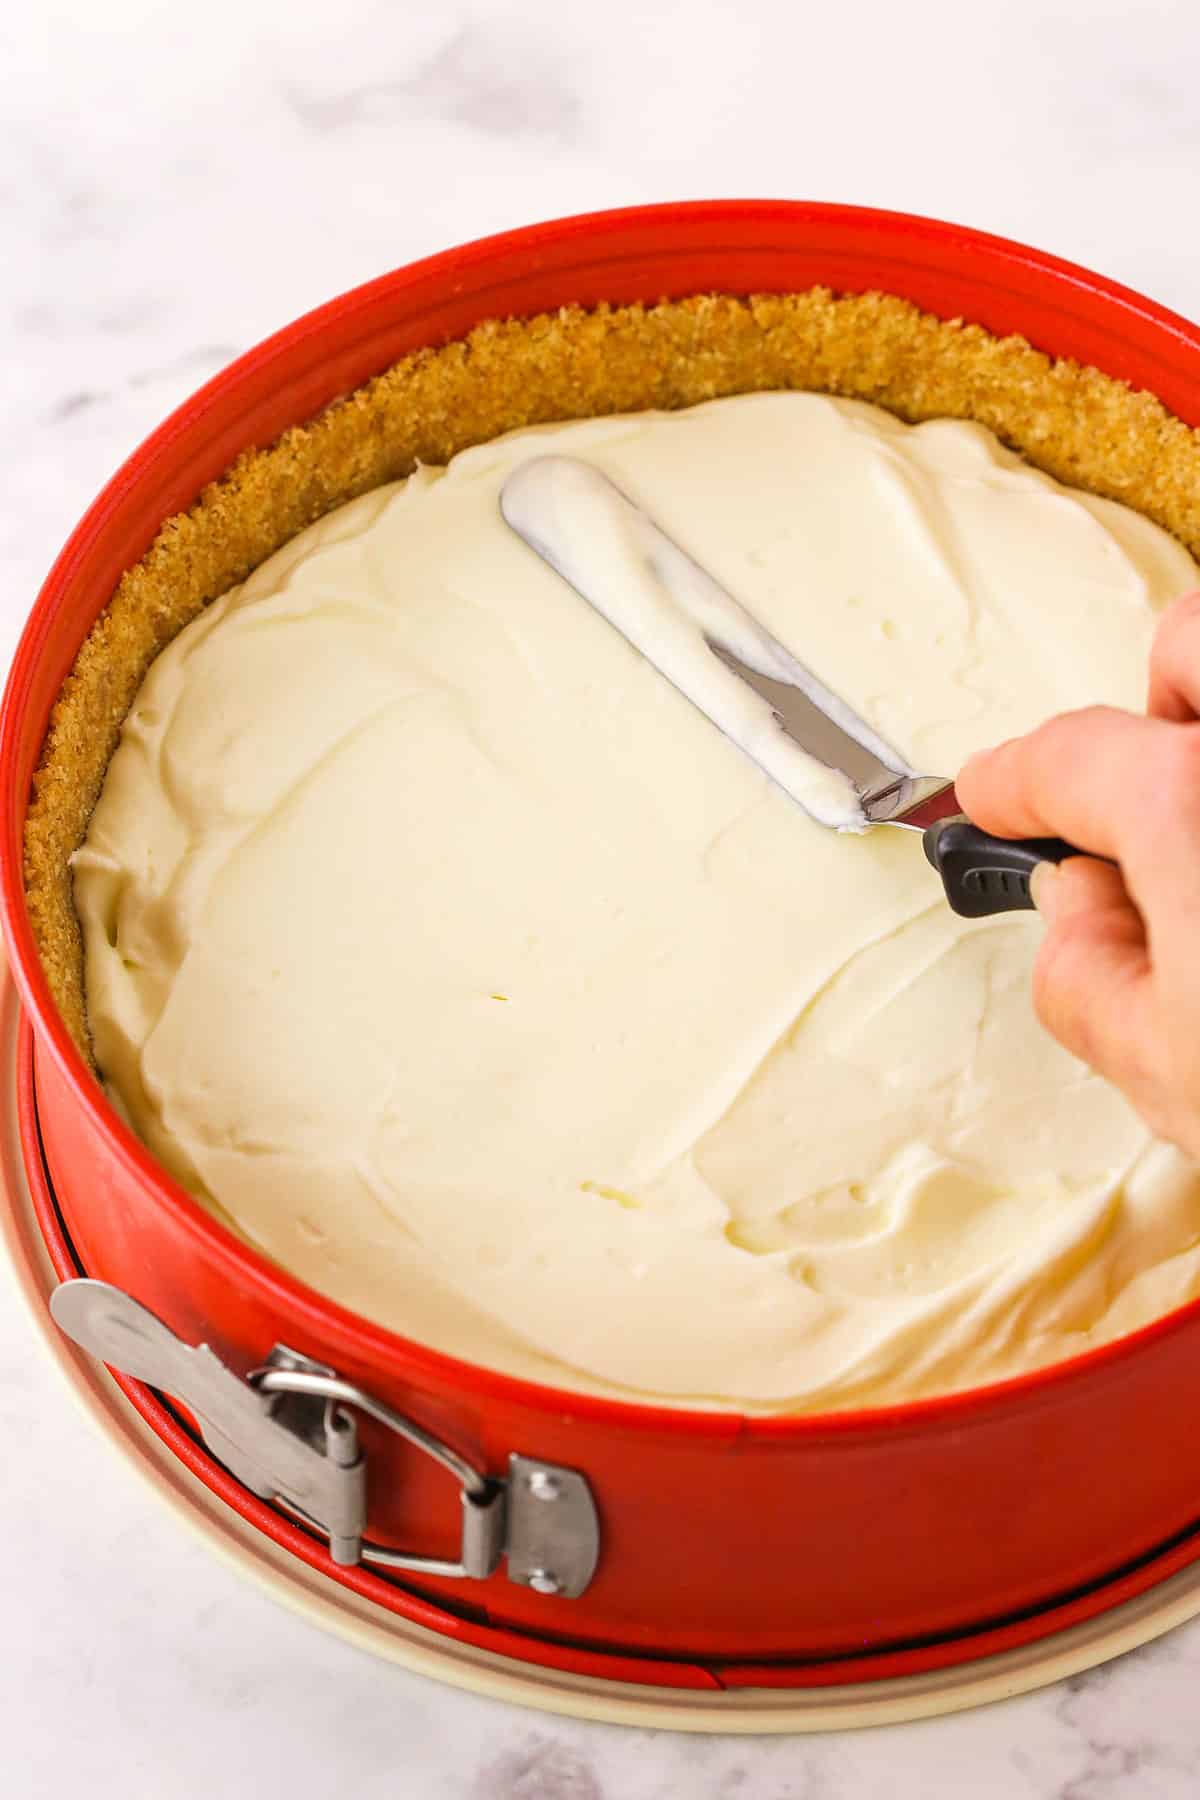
(1076, 423)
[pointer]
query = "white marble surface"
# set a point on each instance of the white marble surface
(177, 183)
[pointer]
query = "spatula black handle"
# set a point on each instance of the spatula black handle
(984, 874)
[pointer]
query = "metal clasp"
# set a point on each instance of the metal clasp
(288, 1433)
(301, 1395)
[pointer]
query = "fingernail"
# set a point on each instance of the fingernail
(1041, 886)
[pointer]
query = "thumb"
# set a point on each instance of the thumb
(1091, 982)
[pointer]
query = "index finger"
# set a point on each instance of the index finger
(1175, 662)
(1094, 777)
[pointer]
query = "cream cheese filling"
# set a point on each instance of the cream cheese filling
(673, 611)
(436, 941)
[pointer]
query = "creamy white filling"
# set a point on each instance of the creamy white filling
(436, 940)
(672, 610)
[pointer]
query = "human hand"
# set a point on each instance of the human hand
(1117, 977)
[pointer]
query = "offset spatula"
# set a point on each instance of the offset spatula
(750, 686)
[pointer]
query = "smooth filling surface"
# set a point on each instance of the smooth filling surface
(440, 944)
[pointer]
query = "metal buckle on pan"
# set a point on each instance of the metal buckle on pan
(286, 1432)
